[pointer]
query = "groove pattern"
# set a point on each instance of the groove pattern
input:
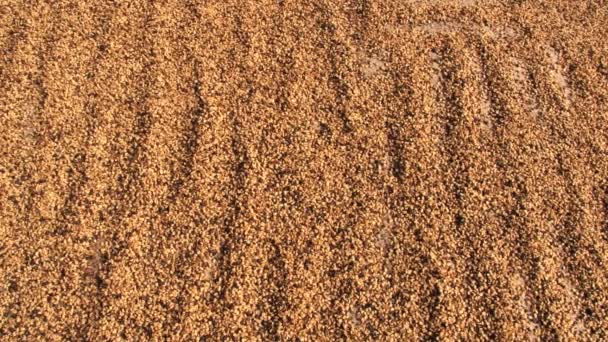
(323, 170)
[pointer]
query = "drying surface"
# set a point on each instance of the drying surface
(321, 169)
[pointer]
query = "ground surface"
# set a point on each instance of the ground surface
(275, 170)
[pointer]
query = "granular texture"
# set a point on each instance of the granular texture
(316, 170)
